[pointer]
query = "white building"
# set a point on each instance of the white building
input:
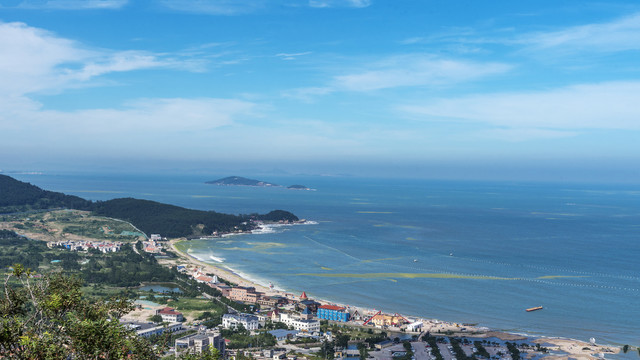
(231, 321)
(148, 329)
(170, 315)
(414, 326)
(306, 325)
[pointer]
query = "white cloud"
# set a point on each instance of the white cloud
(215, 7)
(404, 71)
(238, 7)
(137, 119)
(35, 60)
(70, 4)
(611, 105)
(292, 56)
(32, 58)
(416, 70)
(339, 3)
(618, 35)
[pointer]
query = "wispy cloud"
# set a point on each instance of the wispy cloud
(35, 60)
(415, 70)
(610, 105)
(239, 7)
(68, 4)
(618, 35)
(292, 56)
(215, 7)
(339, 3)
(134, 127)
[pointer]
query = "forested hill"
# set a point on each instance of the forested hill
(21, 196)
(169, 220)
(148, 216)
(275, 215)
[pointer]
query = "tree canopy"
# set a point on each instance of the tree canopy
(16, 195)
(50, 319)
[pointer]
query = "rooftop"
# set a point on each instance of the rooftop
(168, 311)
(282, 332)
(332, 307)
(245, 317)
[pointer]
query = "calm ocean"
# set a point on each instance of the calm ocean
(458, 251)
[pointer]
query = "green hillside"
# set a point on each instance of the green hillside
(148, 216)
(20, 196)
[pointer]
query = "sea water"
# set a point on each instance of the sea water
(472, 252)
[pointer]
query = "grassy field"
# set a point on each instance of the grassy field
(76, 225)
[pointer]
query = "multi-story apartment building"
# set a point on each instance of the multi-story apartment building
(244, 294)
(332, 312)
(196, 343)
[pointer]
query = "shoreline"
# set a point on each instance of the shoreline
(573, 348)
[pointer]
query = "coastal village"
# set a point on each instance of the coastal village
(276, 324)
(307, 325)
(305, 328)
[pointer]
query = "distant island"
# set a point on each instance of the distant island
(298, 187)
(148, 216)
(242, 181)
(239, 181)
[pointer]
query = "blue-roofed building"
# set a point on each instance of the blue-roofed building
(332, 312)
(306, 314)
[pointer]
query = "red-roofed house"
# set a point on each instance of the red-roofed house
(204, 279)
(170, 315)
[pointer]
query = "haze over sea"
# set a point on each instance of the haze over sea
(473, 252)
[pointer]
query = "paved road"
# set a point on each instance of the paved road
(419, 349)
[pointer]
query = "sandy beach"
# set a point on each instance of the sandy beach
(577, 349)
(572, 348)
(186, 259)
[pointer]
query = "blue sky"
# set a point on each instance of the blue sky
(461, 89)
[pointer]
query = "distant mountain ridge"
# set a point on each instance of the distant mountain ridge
(239, 181)
(148, 216)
